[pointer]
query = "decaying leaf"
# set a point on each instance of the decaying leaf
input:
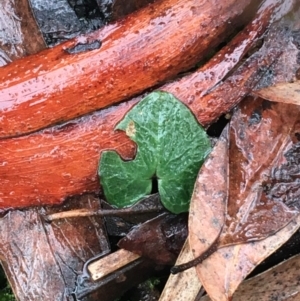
(208, 204)
(172, 146)
(42, 260)
(282, 92)
(159, 239)
(259, 199)
(224, 270)
(280, 283)
(261, 134)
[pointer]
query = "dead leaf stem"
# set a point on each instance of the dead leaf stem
(211, 249)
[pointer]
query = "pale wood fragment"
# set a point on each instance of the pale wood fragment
(183, 286)
(110, 263)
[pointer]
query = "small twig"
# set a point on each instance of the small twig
(212, 248)
(184, 286)
(102, 213)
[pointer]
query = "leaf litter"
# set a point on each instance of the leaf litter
(282, 92)
(257, 197)
(159, 239)
(274, 186)
(280, 283)
(292, 228)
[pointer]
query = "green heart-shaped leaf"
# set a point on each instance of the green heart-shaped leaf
(171, 146)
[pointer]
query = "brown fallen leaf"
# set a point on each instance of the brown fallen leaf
(159, 239)
(263, 151)
(281, 92)
(280, 283)
(261, 135)
(224, 270)
(209, 199)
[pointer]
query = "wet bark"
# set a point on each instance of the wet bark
(42, 260)
(55, 156)
(100, 69)
(17, 25)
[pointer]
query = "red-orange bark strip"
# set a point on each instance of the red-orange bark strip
(146, 48)
(47, 166)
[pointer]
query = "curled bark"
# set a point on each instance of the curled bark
(123, 59)
(47, 166)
